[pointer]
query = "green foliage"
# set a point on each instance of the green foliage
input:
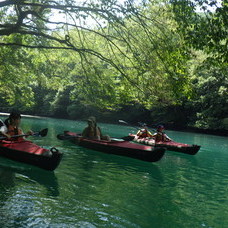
(204, 26)
(149, 63)
(211, 86)
(80, 111)
(15, 77)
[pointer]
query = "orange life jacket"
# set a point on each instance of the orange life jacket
(143, 133)
(160, 137)
(15, 131)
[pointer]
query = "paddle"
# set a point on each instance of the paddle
(140, 123)
(41, 133)
(130, 137)
(124, 122)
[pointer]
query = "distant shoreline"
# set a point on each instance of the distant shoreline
(30, 116)
(219, 132)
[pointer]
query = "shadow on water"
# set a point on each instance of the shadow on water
(7, 183)
(10, 169)
(90, 160)
(177, 158)
(16, 177)
(7, 178)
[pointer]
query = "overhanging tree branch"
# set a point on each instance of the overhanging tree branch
(28, 14)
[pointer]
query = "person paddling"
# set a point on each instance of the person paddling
(92, 131)
(12, 124)
(143, 133)
(160, 136)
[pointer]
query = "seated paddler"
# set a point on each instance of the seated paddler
(12, 124)
(92, 131)
(143, 133)
(160, 135)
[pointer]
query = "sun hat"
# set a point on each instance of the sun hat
(91, 119)
(160, 127)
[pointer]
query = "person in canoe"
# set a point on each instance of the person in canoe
(143, 133)
(12, 124)
(160, 136)
(92, 131)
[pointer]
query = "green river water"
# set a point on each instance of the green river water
(93, 189)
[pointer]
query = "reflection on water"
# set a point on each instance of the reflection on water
(8, 176)
(19, 189)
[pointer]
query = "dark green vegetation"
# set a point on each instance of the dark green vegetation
(154, 61)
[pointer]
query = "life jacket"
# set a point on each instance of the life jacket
(160, 136)
(143, 133)
(15, 131)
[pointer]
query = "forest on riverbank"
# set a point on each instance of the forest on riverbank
(152, 61)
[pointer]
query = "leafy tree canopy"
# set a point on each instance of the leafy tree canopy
(204, 24)
(144, 58)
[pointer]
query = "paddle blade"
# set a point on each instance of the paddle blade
(66, 137)
(61, 136)
(43, 132)
(122, 121)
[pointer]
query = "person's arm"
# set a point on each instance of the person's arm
(149, 134)
(6, 135)
(30, 132)
(154, 136)
(85, 132)
(102, 137)
(167, 138)
(138, 133)
(98, 133)
(3, 131)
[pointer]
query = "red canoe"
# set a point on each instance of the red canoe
(122, 148)
(30, 153)
(169, 145)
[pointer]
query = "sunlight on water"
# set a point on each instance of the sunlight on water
(93, 189)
